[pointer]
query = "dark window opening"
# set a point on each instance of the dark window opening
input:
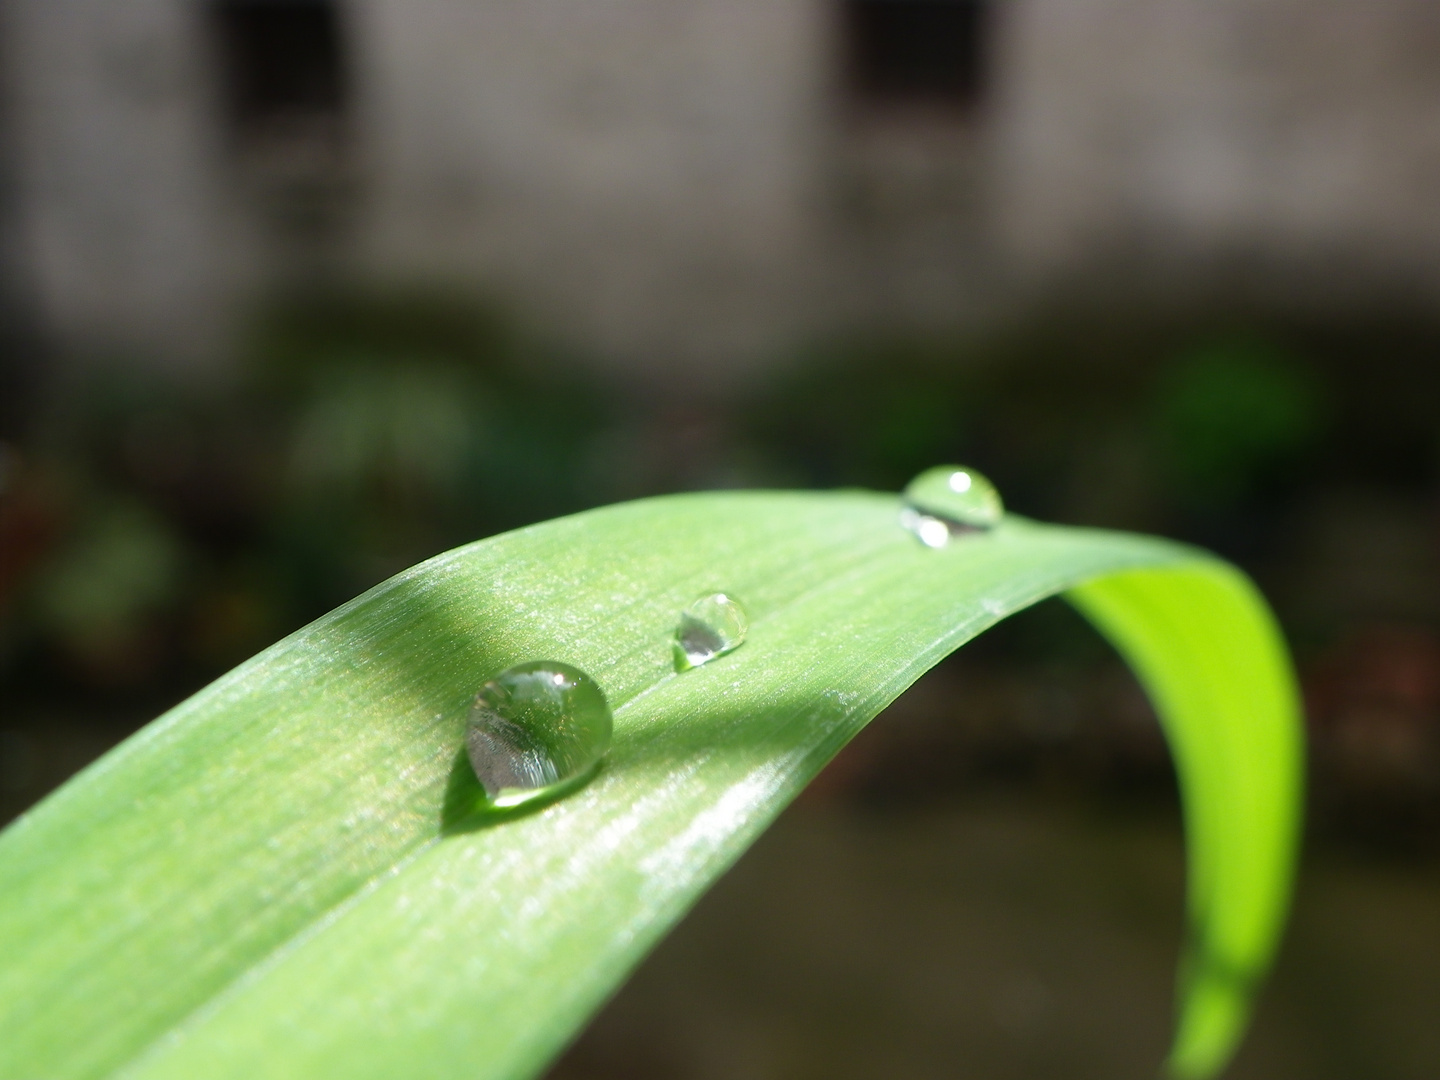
(284, 84)
(282, 60)
(915, 51)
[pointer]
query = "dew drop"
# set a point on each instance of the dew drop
(712, 626)
(948, 500)
(535, 730)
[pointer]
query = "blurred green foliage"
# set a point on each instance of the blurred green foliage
(173, 530)
(155, 532)
(119, 568)
(1232, 414)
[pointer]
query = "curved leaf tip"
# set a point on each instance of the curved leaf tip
(1212, 660)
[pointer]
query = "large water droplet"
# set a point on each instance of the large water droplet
(947, 500)
(536, 729)
(712, 626)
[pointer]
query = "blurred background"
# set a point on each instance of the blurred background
(294, 293)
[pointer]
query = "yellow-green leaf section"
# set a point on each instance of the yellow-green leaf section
(279, 877)
(1204, 645)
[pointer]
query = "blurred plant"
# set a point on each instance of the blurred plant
(872, 412)
(378, 463)
(168, 531)
(100, 594)
(1233, 414)
(406, 428)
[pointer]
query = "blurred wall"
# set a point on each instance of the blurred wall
(125, 223)
(643, 172)
(1293, 141)
(698, 186)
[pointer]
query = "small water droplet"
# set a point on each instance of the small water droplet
(948, 500)
(712, 626)
(535, 730)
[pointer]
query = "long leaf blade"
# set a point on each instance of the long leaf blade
(274, 880)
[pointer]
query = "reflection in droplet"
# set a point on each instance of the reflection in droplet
(712, 626)
(535, 730)
(957, 495)
(932, 532)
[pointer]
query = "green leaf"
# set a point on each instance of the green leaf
(279, 878)
(1202, 642)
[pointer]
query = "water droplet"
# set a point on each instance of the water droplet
(948, 500)
(712, 626)
(536, 729)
